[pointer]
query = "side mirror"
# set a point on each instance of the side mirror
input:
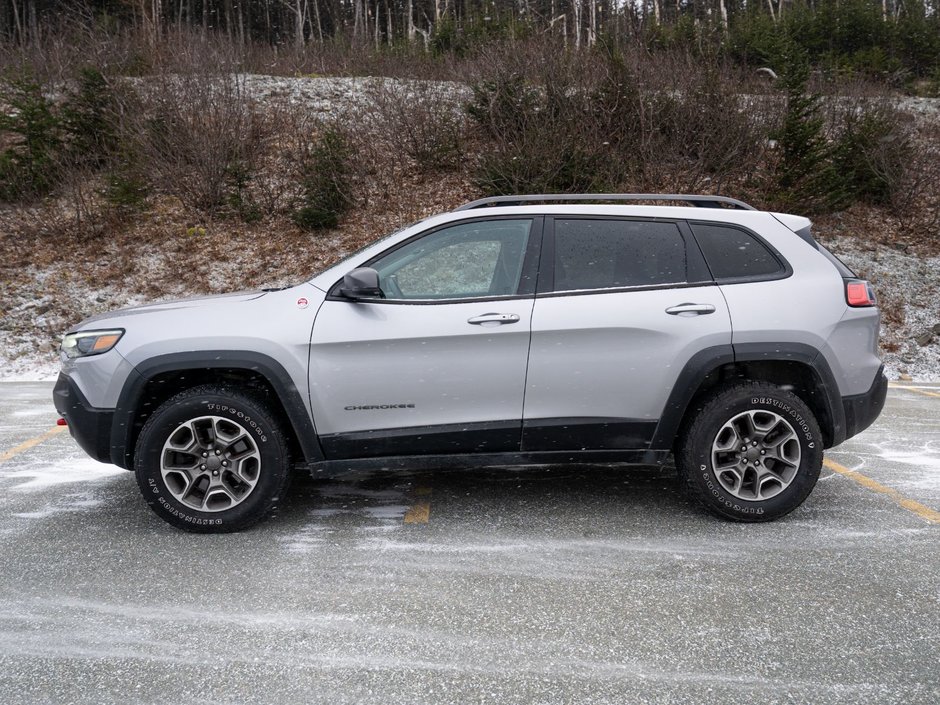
(362, 283)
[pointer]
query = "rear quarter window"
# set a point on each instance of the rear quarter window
(734, 254)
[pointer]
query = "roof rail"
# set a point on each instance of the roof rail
(699, 201)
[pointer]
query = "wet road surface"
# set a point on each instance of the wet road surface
(570, 585)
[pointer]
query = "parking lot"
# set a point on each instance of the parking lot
(564, 585)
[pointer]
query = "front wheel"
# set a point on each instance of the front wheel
(212, 460)
(752, 452)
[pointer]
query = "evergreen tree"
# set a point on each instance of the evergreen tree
(805, 178)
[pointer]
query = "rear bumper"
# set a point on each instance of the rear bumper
(861, 410)
(90, 427)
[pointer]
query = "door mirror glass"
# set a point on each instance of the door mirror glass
(362, 283)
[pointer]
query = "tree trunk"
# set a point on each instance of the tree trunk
(577, 23)
(298, 8)
(592, 29)
(18, 22)
(358, 18)
(316, 13)
(409, 8)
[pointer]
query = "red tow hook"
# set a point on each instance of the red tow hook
(61, 422)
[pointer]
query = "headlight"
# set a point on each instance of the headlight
(90, 342)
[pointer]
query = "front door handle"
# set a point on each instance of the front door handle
(688, 309)
(494, 319)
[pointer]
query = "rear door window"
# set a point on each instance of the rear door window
(595, 253)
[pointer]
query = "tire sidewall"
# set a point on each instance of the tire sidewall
(790, 408)
(250, 416)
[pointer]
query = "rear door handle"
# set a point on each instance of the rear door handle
(494, 319)
(688, 309)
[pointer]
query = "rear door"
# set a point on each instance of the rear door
(622, 306)
(438, 366)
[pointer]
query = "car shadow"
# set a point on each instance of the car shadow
(518, 496)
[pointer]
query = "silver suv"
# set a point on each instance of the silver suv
(513, 330)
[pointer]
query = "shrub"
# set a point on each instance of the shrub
(193, 131)
(89, 119)
(324, 176)
(543, 138)
(872, 154)
(419, 120)
(28, 166)
(125, 188)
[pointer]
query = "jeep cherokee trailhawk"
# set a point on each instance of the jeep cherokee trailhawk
(523, 329)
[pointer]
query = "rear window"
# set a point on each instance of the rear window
(733, 253)
(844, 271)
(610, 253)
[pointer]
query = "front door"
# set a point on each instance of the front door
(437, 366)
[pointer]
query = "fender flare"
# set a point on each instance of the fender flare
(123, 432)
(711, 359)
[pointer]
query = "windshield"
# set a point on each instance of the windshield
(363, 248)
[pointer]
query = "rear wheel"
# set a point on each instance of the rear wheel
(212, 460)
(752, 452)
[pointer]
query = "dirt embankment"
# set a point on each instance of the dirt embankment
(49, 282)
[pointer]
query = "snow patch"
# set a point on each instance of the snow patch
(41, 476)
(70, 506)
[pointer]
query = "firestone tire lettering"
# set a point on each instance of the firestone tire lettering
(252, 415)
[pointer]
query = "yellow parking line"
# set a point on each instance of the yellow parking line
(31, 443)
(420, 511)
(915, 389)
(921, 510)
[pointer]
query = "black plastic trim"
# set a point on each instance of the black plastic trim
(861, 410)
(123, 432)
(623, 290)
(711, 359)
(687, 384)
(537, 435)
(89, 426)
(486, 460)
(586, 433)
(443, 439)
(826, 384)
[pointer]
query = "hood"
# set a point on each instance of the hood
(191, 302)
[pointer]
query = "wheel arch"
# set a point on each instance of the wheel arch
(796, 366)
(157, 379)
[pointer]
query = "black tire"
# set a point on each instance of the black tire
(694, 452)
(270, 446)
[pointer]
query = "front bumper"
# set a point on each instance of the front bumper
(861, 410)
(90, 427)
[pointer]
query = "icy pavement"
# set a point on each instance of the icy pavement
(566, 586)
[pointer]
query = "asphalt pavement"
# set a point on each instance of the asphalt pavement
(565, 585)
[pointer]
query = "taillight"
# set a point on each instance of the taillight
(859, 293)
